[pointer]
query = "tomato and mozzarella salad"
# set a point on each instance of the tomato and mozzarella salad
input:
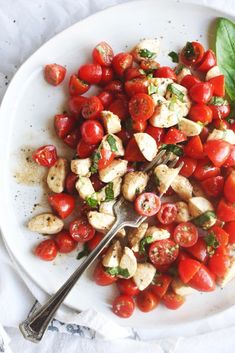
(141, 108)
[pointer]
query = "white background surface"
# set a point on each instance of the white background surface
(24, 26)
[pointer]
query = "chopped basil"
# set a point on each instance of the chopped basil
(137, 191)
(92, 201)
(203, 219)
(189, 52)
(96, 156)
(179, 68)
(109, 193)
(145, 241)
(115, 271)
(112, 143)
(152, 89)
(84, 252)
(211, 240)
(148, 72)
(174, 56)
(218, 101)
(175, 91)
(145, 53)
(177, 150)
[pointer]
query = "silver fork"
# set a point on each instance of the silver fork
(34, 327)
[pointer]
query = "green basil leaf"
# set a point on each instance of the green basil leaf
(174, 56)
(115, 271)
(92, 201)
(175, 91)
(179, 68)
(109, 193)
(145, 53)
(112, 143)
(225, 52)
(84, 252)
(218, 101)
(152, 89)
(211, 240)
(189, 52)
(96, 156)
(145, 241)
(177, 150)
(203, 219)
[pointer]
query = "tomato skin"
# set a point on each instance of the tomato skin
(200, 112)
(62, 203)
(201, 92)
(229, 227)
(103, 54)
(141, 107)
(114, 87)
(220, 124)
(121, 62)
(218, 83)
(207, 62)
(64, 124)
(165, 72)
(213, 186)
(139, 125)
(205, 170)
(132, 153)
(77, 86)
(219, 264)
(101, 277)
(161, 286)
(185, 234)
(149, 65)
(189, 80)
(156, 132)
(199, 250)
(187, 269)
(163, 252)
(136, 85)
(203, 280)
(107, 157)
(70, 182)
(218, 151)
(221, 235)
(46, 250)
(147, 204)
(133, 72)
(92, 108)
(65, 242)
(230, 161)
(146, 301)
(72, 138)
(46, 156)
(219, 111)
(54, 74)
(123, 306)
(92, 243)
(119, 107)
(84, 150)
(172, 300)
(90, 73)
(107, 76)
(127, 286)
(174, 136)
(189, 166)
(225, 211)
(81, 230)
(106, 98)
(92, 132)
(167, 213)
(192, 53)
(194, 148)
(75, 105)
(229, 188)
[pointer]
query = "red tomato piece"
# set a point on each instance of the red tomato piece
(123, 306)
(92, 132)
(119, 107)
(70, 182)
(187, 269)
(77, 86)
(221, 124)
(165, 72)
(107, 75)
(65, 242)
(46, 250)
(141, 107)
(62, 203)
(230, 161)
(84, 150)
(185, 234)
(219, 111)
(156, 132)
(72, 138)
(189, 80)
(172, 300)
(101, 277)
(163, 252)
(201, 92)
(203, 280)
(189, 166)
(149, 65)
(207, 62)
(229, 188)
(200, 112)
(64, 124)
(139, 125)
(81, 230)
(161, 285)
(218, 151)
(167, 213)
(133, 72)
(114, 86)
(205, 170)
(229, 227)
(92, 108)
(192, 53)
(46, 156)
(54, 74)
(92, 244)
(174, 136)
(147, 204)
(75, 105)
(91, 73)
(121, 62)
(106, 157)
(199, 250)
(106, 98)
(136, 85)
(194, 148)
(213, 186)
(219, 264)
(127, 286)
(125, 136)
(103, 54)
(133, 153)
(218, 83)
(146, 301)
(220, 234)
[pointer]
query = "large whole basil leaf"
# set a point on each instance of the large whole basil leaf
(225, 53)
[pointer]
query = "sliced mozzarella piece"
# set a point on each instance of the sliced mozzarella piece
(116, 183)
(163, 117)
(46, 223)
(230, 274)
(135, 236)
(112, 122)
(182, 212)
(113, 255)
(147, 145)
(151, 45)
(107, 207)
(57, 174)
(199, 205)
(165, 176)
(157, 233)
(144, 275)
(157, 99)
(133, 184)
(189, 127)
(160, 84)
(81, 167)
(182, 187)
(84, 187)
(177, 87)
(128, 261)
(226, 135)
(180, 288)
(119, 152)
(183, 72)
(213, 72)
(100, 221)
(117, 168)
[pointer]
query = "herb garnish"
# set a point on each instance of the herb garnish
(96, 156)
(152, 89)
(145, 53)
(145, 241)
(84, 252)
(112, 143)
(177, 150)
(174, 56)
(115, 271)
(175, 91)
(109, 193)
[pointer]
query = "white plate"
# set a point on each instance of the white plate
(27, 119)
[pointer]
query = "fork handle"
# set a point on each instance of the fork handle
(34, 327)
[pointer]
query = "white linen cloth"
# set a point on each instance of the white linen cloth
(24, 26)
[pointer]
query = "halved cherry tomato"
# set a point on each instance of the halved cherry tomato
(213, 186)
(161, 285)
(139, 125)
(201, 92)
(218, 151)
(101, 277)
(84, 150)
(146, 301)
(92, 108)
(185, 234)
(54, 74)
(167, 213)
(199, 250)
(77, 86)
(133, 153)
(136, 85)
(72, 138)
(62, 203)
(127, 286)
(163, 252)
(218, 83)
(203, 280)
(207, 62)
(165, 72)
(123, 306)
(147, 204)
(230, 161)
(81, 230)
(174, 136)
(75, 105)
(92, 243)
(194, 148)
(133, 72)
(121, 62)
(64, 124)
(65, 242)
(172, 300)
(90, 73)
(229, 227)
(219, 111)
(229, 188)
(189, 80)
(125, 136)
(92, 132)
(107, 76)
(225, 211)
(220, 234)
(219, 264)
(106, 98)
(46, 250)
(149, 65)
(156, 132)
(114, 86)
(46, 156)
(220, 124)
(188, 268)
(106, 157)
(119, 107)
(205, 169)
(103, 54)
(200, 112)
(204, 134)
(189, 166)
(70, 182)
(192, 53)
